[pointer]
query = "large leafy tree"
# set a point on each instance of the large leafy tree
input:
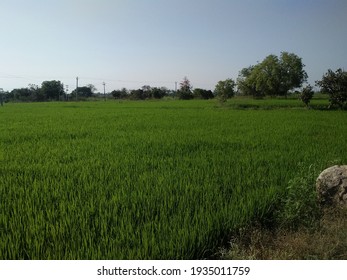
(23, 94)
(31, 93)
(246, 83)
(225, 89)
(267, 76)
(92, 88)
(85, 91)
(120, 94)
(203, 93)
(157, 92)
(335, 84)
(292, 73)
(52, 90)
(36, 92)
(138, 94)
(273, 76)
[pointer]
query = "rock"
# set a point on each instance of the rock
(332, 186)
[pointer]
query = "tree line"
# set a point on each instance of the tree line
(49, 91)
(274, 76)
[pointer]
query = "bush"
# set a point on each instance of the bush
(299, 205)
(335, 84)
(306, 94)
(224, 90)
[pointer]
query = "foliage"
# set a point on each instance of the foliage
(146, 92)
(36, 93)
(306, 94)
(86, 91)
(52, 90)
(156, 180)
(292, 73)
(246, 84)
(299, 204)
(335, 84)
(138, 94)
(202, 93)
(22, 93)
(185, 91)
(273, 76)
(92, 88)
(120, 94)
(225, 90)
(157, 93)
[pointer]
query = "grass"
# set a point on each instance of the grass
(325, 241)
(301, 228)
(150, 180)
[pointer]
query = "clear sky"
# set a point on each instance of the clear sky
(131, 43)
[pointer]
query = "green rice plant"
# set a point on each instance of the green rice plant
(149, 180)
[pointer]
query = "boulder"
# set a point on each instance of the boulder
(332, 186)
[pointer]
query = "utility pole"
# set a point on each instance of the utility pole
(104, 90)
(61, 92)
(76, 87)
(66, 92)
(175, 87)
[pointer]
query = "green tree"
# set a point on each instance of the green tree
(245, 83)
(92, 88)
(266, 76)
(225, 90)
(158, 93)
(185, 91)
(52, 90)
(36, 93)
(22, 94)
(31, 93)
(335, 84)
(138, 94)
(273, 76)
(146, 92)
(85, 92)
(306, 94)
(292, 73)
(120, 94)
(202, 93)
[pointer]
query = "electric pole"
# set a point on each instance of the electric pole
(104, 90)
(76, 87)
(66, 92)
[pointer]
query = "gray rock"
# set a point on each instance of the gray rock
(332, 185)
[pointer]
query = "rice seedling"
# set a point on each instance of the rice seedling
(148, 180)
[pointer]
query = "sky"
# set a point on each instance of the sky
(131, 43)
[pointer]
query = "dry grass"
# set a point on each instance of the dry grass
(326, 241)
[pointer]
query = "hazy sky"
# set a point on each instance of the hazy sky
(131, 43)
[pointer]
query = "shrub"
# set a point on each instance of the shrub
(335, 84)
(306, 95)
(299, 205)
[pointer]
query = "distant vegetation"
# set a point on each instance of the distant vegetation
(274, 76)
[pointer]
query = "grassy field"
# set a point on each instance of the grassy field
(151, 179)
